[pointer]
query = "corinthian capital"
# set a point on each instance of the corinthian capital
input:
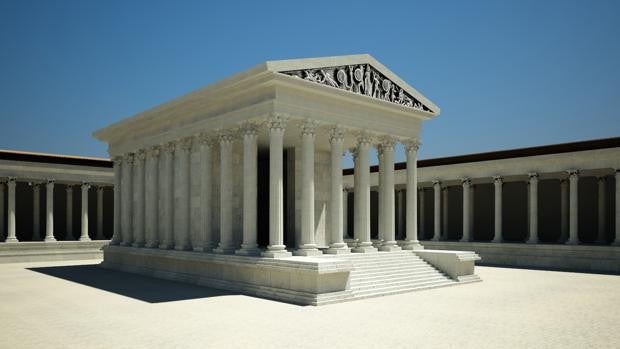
(364, 138)
(308, 127)
(277, 122)
(153, 151)
(169, 147)
(187, 143)
(336, 134)
(128, 158)
(412, 145)
(387, 142)
(140, 155)
(249, 129)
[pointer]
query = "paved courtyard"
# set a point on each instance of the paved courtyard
(78, 305)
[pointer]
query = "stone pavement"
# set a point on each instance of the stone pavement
(78, 305)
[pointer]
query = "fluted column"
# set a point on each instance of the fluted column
(533, 208)
(400, 214)
(69, 214)
(151, 197)
(380, 195)
(498, 184)
(573, 233)
(563, 210)
(226, 196)
(206, 195)
(167, 218)
(356, 194)
(249, 247)
(466, 210)
(117, 235)
(49, 223)
(182, 210)
(276, 248)
(99, 235)
(345, 213)
(389, 228)
(337, 194)
(411, 240)
(422, 213)
(11, 210)
(601, 238)
(84, 233)
(127, 200)
(437, 210)
(307, 246)
(36, 206)
(617, 218)
(2, 216)
(472, 208)
(444, 212)
(365, 244)
(138, 199)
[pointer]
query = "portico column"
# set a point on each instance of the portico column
(345, 212)
(127, 200)
(69, 214)
(472, 206)
(573, 178)
(601, 238)
(99, 235)
(533, 239)
(380, 195)
(307, 246)
(249, 245)
(49, 224)
(389, 230)
(466, 210)
(365, 244)
(11, 211)
(226, 214)
(36, 206)
(1, 211)
(437, 210)
(206, 195)
(617, 218)
(444, 212)
(563, 210)
(84, 234)
(356, 194)
(117, 235)
(182, 182)
(337, 195)
(422, 214)
(400, 210)
(497, 184)
(411, 240)
(138, 218)
(167, 200)
(151, 197)
(276, 247)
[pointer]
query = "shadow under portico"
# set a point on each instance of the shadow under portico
(139, 287)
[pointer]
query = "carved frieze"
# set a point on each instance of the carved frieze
(361, 79)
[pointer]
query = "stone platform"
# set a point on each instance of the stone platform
(39, 251)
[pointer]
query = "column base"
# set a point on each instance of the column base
(50, 239)
(532, 241)
(277, 251)
(84, 238)
(464, 240)
(126, 244)
(390, 246)
(307, 252)
(11, 239)
(182, 247)
(152, 245)
(364, 247)
(164, 246)
(224, 250)
(412, 245)
(248, 251)
(338, 248)
(138, 244)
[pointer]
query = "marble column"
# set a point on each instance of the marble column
(601, 238)
(356, 195)
(444, 212)
(226, 196)
(2, 185)
(276, 248)
(99, 235)
(437, 210)
(466, 210)
(345, 213)
(563, 210)
(69, 214)
(84, 233)
(307, 245)
(151, 197)
(411, 240)
(117, 235)
(167, 200)
(182, 224)
(138, 197)
(49, 223)
(472, 206)
(36, 206)
(498, 184)
(206, 195)
(11, 237)
(249, 247)
(127, 200)
(400, 213)
(617, 238)
(533, 208)
(337, 195)
(365, 244)
(389, 228)
(422, 219)
(380, 195)
(573, 233)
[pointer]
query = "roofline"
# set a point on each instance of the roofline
(594, 144)
(15, 155)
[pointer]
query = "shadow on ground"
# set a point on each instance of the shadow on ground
(139, 287)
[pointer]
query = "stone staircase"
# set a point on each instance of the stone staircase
(387, 273)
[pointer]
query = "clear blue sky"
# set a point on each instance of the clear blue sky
(506, 74)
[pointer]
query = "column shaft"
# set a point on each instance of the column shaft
(206, 196)
(422, 213)
(444, 212)
(533, 209)
(601, 238)
(466, 210)
(573, 208)
(381, 196)
(100, 214)
(250, 168)
(497, 183)
(345, 213)
(182, 182)
(365, 243)
(338, 204)
(437, 210)
(307, 246)
(36, 206)
(356, 195)
(69, 214)
(151, 198)
(400, 217)
(11, 237)
(138, 199)
(389, 228)
(84, 233)
(411, 239)
(127, 200)
(49, 224)
(167, 200)
(117, 235)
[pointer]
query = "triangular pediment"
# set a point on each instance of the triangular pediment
(360, 74)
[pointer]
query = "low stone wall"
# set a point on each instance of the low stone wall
(39, 251)
(298, 280)
(586, 258)
(459, 265)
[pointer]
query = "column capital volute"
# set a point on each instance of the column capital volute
(85, 185)
(140, 155)
(308, 127)
(206, 139)
(336, 134)
(128, 158)
(466, 181)
(572, 173)
(601, 178)
(277, 122)
(444, 188)
(186, 143)
(436, 182)
(248, 129)
(387, 142)
(498, 179)
(532, 176)
(69, 186)
(411, 145)
(11, 180)
(34, 184)
(225, 136)
(50, 181)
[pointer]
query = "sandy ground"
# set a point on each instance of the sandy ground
(78, 305)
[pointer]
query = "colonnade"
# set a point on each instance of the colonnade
(137, 191)
(10, 185)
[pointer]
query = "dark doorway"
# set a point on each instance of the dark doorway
(262, 204)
